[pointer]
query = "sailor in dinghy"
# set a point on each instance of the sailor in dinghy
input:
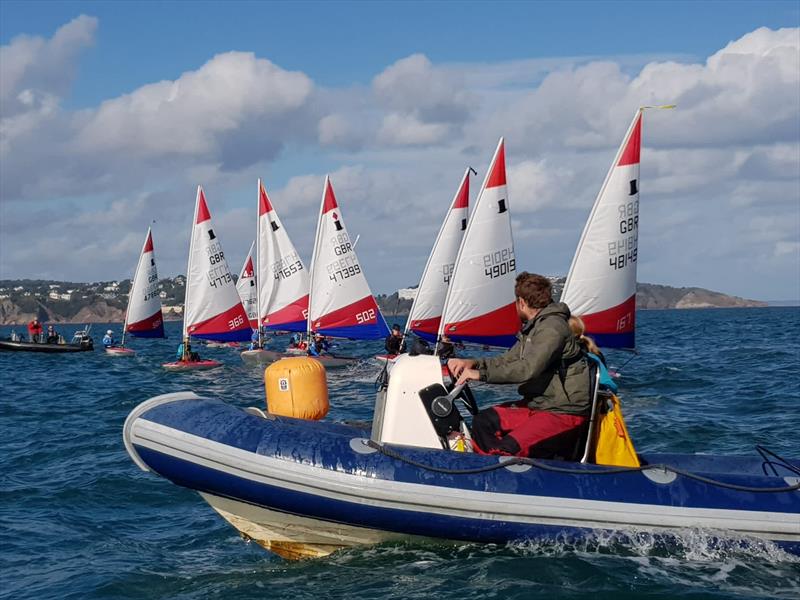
(341, 304)
(282, 283)
(212, 307)
(144, 317)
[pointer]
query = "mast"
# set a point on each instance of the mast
(257, 264)
(188, 266)
(314, 257)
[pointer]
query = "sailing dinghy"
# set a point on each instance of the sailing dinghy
(601, 283)
(212, 307)
(144, 317)
(283, 281)
(479, 305)
(425, 315)
(248, 290)
(341, 304)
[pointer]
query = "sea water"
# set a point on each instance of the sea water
(79, 520)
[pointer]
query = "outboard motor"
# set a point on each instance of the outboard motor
(416, 408)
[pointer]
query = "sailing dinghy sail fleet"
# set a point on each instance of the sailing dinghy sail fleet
(465, 291)
(212, 307)
(144, 317)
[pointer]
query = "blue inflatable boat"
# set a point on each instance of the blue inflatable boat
(307, 488)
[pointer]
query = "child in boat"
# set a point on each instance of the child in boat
(320, 345)
(394, 341)
(108, 339)
(185, 354)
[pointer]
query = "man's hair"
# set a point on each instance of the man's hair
(534, 289)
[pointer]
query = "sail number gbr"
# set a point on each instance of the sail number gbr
(499, 263)
(218, 273)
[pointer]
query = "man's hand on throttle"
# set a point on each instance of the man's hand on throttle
(456, 365)
(468, 375)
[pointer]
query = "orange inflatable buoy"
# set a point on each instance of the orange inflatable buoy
(297, 387)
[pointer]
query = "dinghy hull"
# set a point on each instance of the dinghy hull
(120, 352)
(306, 488)
(192, 365)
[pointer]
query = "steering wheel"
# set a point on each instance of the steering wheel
(466, 394)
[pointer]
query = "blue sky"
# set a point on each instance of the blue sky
(339, 43)
(393, 99)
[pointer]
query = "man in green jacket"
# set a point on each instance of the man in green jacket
(553, 376)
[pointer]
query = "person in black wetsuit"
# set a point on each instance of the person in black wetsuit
(394, 341)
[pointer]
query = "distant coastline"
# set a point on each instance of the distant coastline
(106, 301)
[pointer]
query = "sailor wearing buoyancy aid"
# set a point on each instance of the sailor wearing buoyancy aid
(553, 374)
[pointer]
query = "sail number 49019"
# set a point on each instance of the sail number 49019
(499, 263)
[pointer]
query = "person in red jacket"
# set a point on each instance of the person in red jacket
(35, 330)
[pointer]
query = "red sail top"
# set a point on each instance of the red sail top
(264, 205)
(462, 198)
(202, 209)
(330, 199)
(148, 245)
(630, 156)
(498, 175)
(248, 267)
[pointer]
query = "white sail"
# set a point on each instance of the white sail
(601, 284)
(341, 303)
(426, 311)
(480, 298)
(247, 288)
(283, 279)
(213, 309)
(144, 317)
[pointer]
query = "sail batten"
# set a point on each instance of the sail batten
(601, 283)
(340, 303)
(479, 306)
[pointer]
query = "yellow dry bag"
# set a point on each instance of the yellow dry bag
(614, 446)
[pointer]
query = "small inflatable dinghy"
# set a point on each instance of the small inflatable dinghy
(307, 488)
